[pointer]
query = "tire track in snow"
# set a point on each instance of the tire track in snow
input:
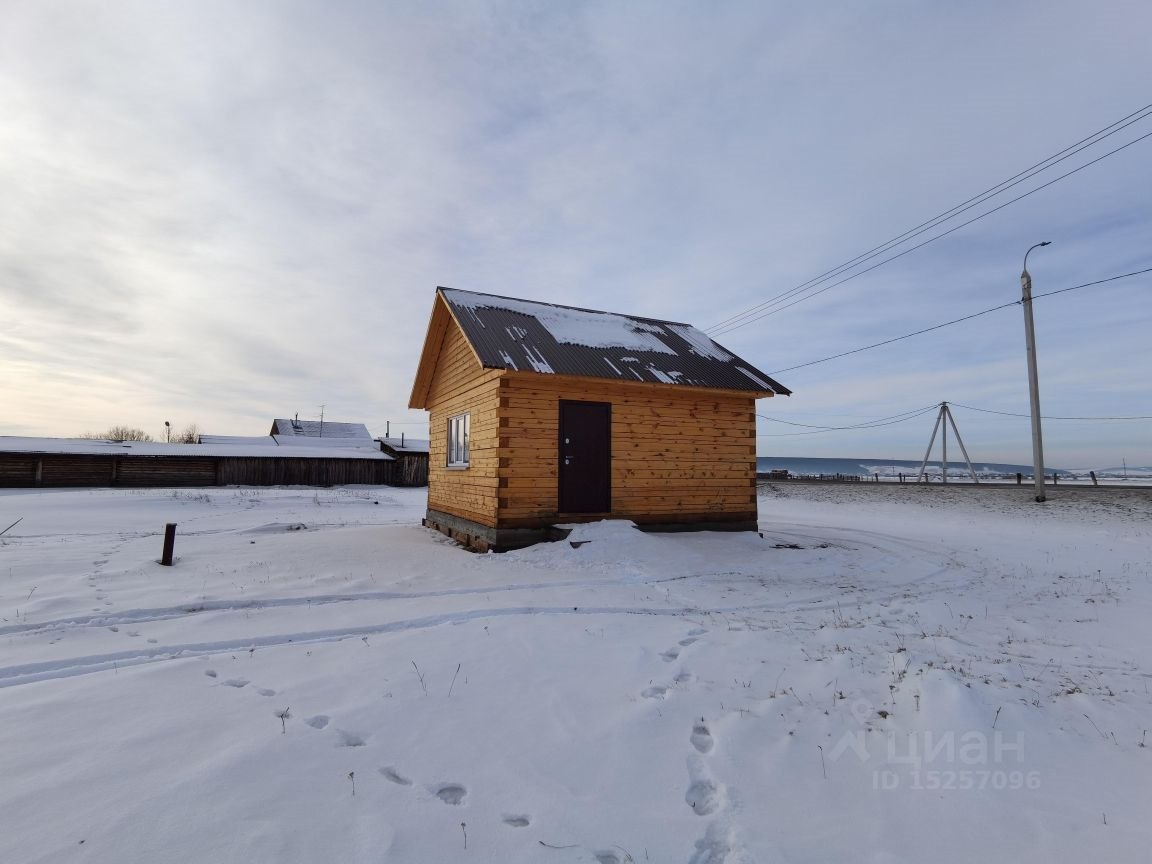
(137, 616)
(28, 673)
(11, 676)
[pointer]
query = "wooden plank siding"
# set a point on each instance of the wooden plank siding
(165, 471)
(20, 470)
(678, 454)
(460, 385)
(264, 471)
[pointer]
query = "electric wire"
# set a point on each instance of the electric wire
(877, 421)
(805, 294)
(888, 421)
(958, 321)
(1088, 141)
(1044, 416)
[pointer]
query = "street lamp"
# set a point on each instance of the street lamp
(168, 431)
(1033, 381)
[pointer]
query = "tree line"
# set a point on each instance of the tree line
(189, 435)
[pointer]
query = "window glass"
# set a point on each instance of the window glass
(458, 435)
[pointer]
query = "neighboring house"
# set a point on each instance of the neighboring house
(412, 456)
(321, 429)
(543, 414)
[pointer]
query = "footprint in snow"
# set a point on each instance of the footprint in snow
(318, 722)
(211, 673)
(348, 739)
(452, 793)
(656, 691)
(517, 820)
(697, 631)
(391, 774)
(237, 682)
(670, 655)
(701, 738)
(608, 856)
(703, 797)
(684, 678)
(265, 691)
(714, 847)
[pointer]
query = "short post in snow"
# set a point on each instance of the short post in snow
(169, 543)
(1093, 473)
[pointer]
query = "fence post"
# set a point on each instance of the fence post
(1093, 473)
(169, 543)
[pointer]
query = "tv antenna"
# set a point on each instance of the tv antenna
(943, 419)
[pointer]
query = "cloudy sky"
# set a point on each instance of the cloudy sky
(221, 212)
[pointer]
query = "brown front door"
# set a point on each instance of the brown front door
(585, 457)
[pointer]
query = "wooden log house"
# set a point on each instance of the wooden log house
(543, 415)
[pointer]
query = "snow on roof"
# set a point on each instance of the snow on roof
(321, 429)
(238, 439)
(574, 326)
(268, 449)
(406, 445)
(325, 443)
(524, 335)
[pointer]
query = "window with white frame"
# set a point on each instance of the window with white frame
(458, 441)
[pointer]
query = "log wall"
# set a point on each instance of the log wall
(679, 455)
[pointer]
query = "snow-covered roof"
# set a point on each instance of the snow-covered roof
(321, 430)
(524, 335)
(238, 439)
(406, 444)
(269, 448)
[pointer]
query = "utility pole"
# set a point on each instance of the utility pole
(1033, 379)
(943, 419)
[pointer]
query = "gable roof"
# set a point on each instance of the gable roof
(321, 430)
(528, 336)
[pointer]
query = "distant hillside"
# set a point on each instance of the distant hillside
(890, 467)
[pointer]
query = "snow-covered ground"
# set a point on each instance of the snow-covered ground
(889, 674)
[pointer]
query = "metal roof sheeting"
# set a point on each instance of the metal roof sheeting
(527, 336)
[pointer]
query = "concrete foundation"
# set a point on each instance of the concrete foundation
(483, 538)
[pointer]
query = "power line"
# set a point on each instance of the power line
(957, 321)
(877, 421)
(1031, 171)
(734, 322)
(885, 421)
(878, 264)
(1013, 414)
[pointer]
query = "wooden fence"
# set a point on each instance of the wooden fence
(32, 470)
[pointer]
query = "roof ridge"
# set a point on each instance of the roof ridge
(631, 317)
